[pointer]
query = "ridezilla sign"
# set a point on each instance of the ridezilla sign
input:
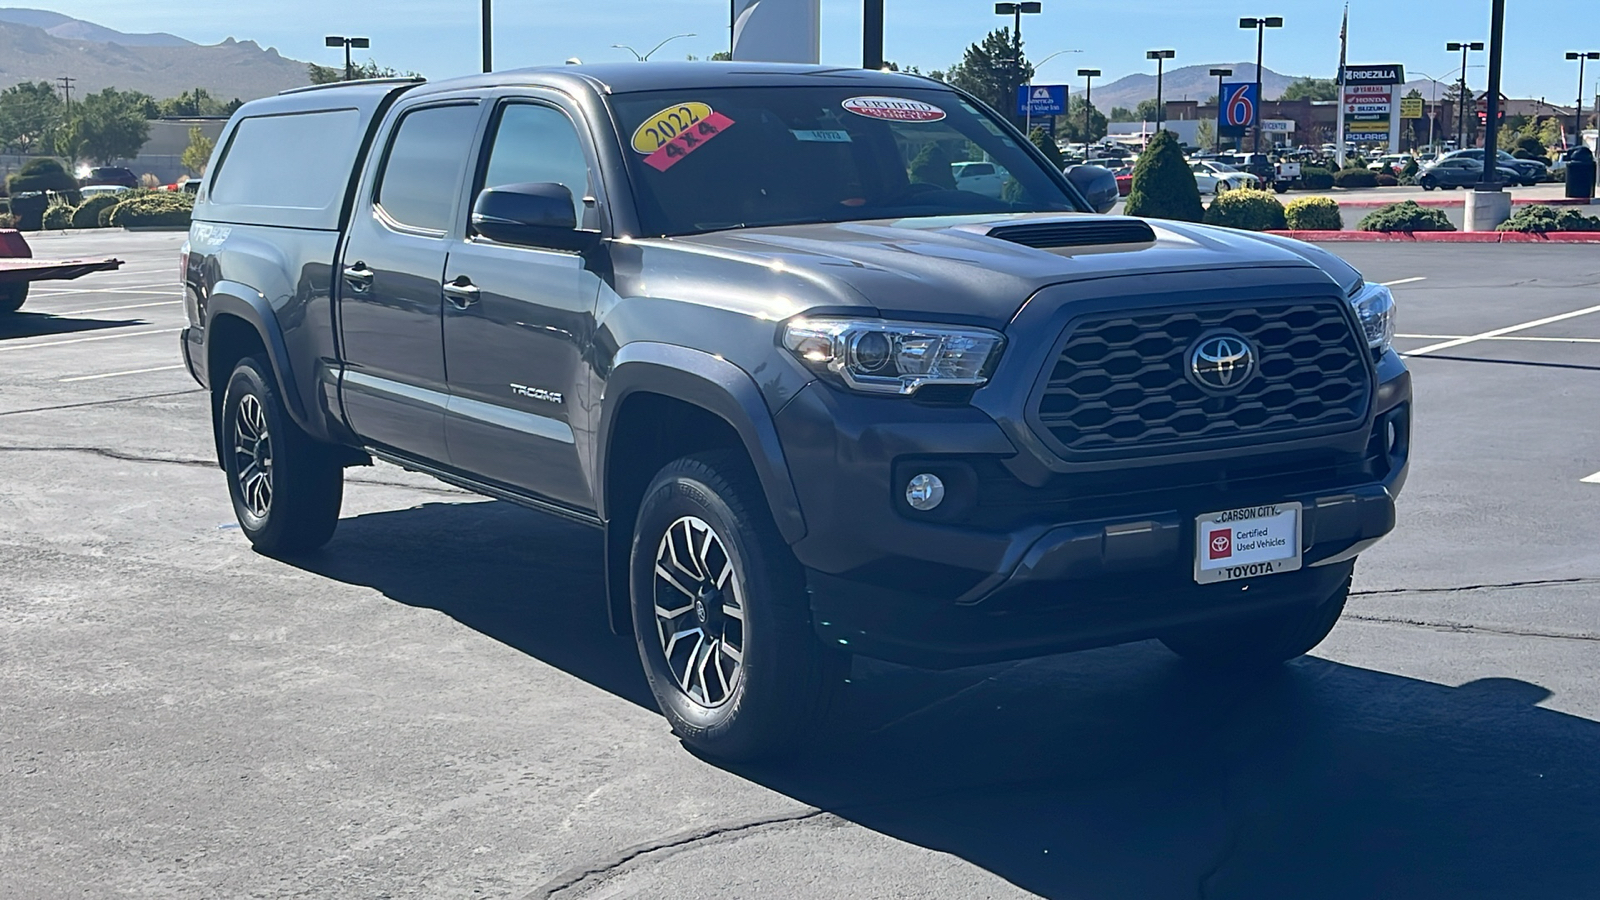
(1367, 95)
(777, 31)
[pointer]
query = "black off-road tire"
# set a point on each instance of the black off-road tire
(286, 488)
(1265, 642)
(12, 296)
(705, 519)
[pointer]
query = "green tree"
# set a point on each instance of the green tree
(1123, 114)
(1163, 185)
(1072, 125)
(932, 166)
(992, 70)
(30, 113)
(1147, 111)
(197, 102)
(369, 69)
(1047, 146)
(198, 153)
(1205, 135)
(1312, 89)
(107, 126)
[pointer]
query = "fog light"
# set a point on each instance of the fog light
(925, 492)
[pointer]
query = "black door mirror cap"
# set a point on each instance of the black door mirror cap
(1097, 185)
(531, 215)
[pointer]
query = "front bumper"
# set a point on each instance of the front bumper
(1019, 563)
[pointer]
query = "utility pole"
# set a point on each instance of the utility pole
(65, 82)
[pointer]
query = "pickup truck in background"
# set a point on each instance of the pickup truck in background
(818, 401)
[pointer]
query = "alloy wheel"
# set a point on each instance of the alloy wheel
(252, 455)
(700, 612)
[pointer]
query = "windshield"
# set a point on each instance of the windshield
(706, 160)
(1223, 167)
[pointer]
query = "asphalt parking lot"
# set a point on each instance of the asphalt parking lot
(433, 706)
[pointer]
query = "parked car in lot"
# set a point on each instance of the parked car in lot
(1392, 163)
(980, 178)
(112, 175)
(1524, 171)
(92, 190)
(813, 407)
(1459, 171)
(1215, 178)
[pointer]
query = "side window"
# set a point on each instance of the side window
(422, 172)
(540, 145)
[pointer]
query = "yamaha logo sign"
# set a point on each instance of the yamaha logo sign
(1222, 363)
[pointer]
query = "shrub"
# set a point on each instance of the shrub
(149, 180)
(1540, 219)
(58, 216)
(1384, 179)
(1355, 178)
(1314, 214)
(43, 174)
(1163, 185)
(1247, 210)
(1316, 178)
(1047, 145)
(87, 215)
(1406, 216)
(158, 208)
(932, 166)
(7, 220)
(1411, 169)
(1532, 147)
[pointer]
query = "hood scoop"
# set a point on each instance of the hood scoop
(1084, 232)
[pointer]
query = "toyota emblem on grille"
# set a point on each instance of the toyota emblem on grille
(1222, 362)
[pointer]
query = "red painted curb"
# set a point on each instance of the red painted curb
(1441, 237)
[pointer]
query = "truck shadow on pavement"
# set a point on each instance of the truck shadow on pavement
(1108, 774)
(31, 324)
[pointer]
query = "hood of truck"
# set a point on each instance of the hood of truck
(950, 270)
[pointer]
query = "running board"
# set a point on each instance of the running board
(488, 490)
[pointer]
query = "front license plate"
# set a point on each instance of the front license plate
(1247, 543)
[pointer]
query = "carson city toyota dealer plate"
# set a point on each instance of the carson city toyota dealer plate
(1247, 543)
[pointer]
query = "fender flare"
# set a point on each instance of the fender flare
(228, 298)
(717, 386)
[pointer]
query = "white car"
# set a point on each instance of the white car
(1216, 178)
(983, 178)
(102, 189)
(1390, 161)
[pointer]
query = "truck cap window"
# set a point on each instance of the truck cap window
(791, 155)
(422, 172)
(299, 161)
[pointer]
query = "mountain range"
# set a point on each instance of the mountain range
(1185, 83)
(39, 45)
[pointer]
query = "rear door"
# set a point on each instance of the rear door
(390, 308)
(517, 319)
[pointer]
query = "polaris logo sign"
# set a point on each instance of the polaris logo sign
(1395, 74)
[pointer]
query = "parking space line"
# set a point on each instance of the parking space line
(1457, 342)
(1405, 281)
(105, 309)
(1510, 337)
(119, 374)
(85, 340)
(1592, 479)
(159, 287)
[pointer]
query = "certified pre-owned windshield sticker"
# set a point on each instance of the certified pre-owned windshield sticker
(687, 141)
(822, 137)
(668, 124)
(894, 109)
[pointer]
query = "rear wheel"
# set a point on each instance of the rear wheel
(286, 488)
(12, 296)
(1428, 183)
(1265, 641)
(721, 614)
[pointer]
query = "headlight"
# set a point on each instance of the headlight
(1375, 308)
(893, 357)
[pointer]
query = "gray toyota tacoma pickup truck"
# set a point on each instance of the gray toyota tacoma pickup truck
(819, 400)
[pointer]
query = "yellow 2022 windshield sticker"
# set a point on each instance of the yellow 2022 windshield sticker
(659, 130)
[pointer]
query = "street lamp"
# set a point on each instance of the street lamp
(1216, 140)
(1088, 76)
(1461, 96)
(1018, 10)
(334, 40)
(1433, 112)
(1261, 26)
(646, 57)
(1036, 67)
(488, 35)
(1161, 57)
(1577, 111)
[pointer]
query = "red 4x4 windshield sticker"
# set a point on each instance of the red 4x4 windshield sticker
(688, 140)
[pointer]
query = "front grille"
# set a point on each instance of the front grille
(1087, 233)
(1120, 382)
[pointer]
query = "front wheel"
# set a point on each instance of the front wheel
(721, 614)
(1428, 184)
(1222, 187)
(1265, 641)
(286, 488)
(12, 296)
(1281, 187)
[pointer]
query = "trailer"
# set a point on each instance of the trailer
(18, 269)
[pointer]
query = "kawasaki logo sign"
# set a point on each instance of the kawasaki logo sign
(1395, 74)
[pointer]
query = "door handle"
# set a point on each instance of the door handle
(359, 277)
(461, 293)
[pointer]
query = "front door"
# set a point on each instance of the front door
(517, 320)
(390, 305)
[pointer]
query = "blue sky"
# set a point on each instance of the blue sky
(439, 37)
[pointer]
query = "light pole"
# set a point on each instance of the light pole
(1088, 76)
(1434, 112)
(1577, 110)
(1491, 120)
(1461, 94)
(334, 40)
(872, 34)
(1018, 10)
(1261, 26)
(646, 57)
(488, 37)
(1036, 67)
(1161, 57)
(1216, 140)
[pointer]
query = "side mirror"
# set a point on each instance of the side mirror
(531, 215)
(1097, 185)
